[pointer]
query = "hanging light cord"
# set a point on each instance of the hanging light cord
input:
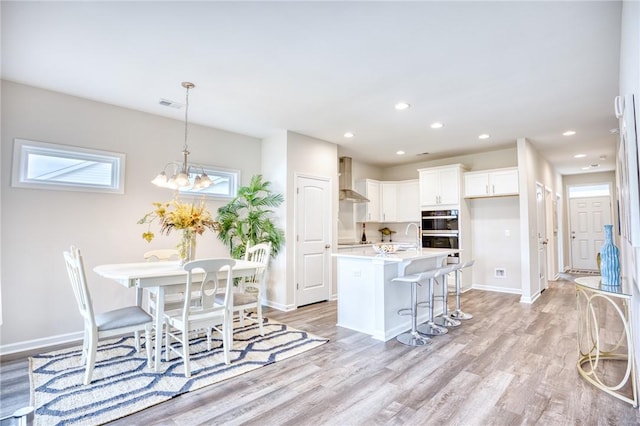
(185, 149)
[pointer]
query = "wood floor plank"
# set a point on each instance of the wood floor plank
(512, 364)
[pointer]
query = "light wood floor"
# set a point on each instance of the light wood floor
(513, 364)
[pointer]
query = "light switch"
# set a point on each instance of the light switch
(507, 233)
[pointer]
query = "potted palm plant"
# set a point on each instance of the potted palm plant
(246, 220)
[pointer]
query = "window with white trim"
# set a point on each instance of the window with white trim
(45, 165)
(224, 182)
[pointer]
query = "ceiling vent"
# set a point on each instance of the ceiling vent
(171, 104)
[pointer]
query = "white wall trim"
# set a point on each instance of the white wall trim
(280, 306)
(530, 300)
(496, 289)
(43, 343)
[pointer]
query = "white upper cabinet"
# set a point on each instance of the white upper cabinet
(440, 186)
(389, 203)
(408, 201)
(392, 201)
(369, 212)
(491, 183)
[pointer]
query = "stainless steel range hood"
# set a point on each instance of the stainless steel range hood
(346, 192)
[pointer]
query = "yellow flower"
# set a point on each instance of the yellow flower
(179, 215)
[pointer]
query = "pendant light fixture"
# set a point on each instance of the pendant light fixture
(180, 177)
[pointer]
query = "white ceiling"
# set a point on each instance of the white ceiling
(509, 69)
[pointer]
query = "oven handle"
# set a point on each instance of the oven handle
(438, 217)
(439, 234)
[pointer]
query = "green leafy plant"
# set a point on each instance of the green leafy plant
(246, 220)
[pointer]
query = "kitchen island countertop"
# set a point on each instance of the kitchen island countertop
(367, 252)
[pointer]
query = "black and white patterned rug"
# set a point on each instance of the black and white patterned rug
(122, 384)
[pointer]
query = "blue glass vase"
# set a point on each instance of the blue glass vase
(609, 259)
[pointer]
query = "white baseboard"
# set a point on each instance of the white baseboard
(279, 306)
(43, 343)
(496, 289)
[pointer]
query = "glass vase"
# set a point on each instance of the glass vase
(609, 259)
(187, 246)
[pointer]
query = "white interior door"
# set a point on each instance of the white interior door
(542, 236)
(313, 240)
(587, 219)
(550, 233)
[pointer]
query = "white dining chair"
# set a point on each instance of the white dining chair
(103, 325)
(172, 300)
(248, 295)
(207, 315)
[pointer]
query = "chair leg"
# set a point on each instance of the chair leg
(185, 352)
(227, 336)
(241, 317)
(167, 343)
(92, 348)
(136, 338)
(260, 319)
(147, 344)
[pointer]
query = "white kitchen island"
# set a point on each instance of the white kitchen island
(368, 301)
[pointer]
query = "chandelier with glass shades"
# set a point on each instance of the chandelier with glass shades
(180, 177)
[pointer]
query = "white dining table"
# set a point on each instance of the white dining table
(160, 278)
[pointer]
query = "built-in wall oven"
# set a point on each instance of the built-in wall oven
(440, 230)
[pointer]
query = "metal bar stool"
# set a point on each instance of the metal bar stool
(412, 337)
(444, 319)
(458, 314)
(430, 328)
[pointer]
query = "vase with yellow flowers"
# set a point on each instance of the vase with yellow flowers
(189, 218)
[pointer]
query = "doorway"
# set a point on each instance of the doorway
(587, 218)
(590, 208)
(541, 232)
(313, 240)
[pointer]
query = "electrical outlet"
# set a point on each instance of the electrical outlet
(500, 273)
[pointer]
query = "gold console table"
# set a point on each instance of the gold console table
(605, 335)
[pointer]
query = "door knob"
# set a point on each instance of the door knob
(327, 246)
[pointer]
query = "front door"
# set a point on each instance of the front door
(313, 240)
(588, 216)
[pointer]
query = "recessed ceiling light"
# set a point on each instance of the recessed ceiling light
(400, 152)
(483, 136)
(586, 168)
(436, 125)
(579, 155)
(402, 105)
(349, 135)
(569, 133)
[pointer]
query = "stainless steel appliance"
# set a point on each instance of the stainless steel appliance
(440, 230)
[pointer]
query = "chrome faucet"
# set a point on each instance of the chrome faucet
(406, 232)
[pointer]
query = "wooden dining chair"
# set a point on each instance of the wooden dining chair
(248, 295)
(209, 314)
(104, 325)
